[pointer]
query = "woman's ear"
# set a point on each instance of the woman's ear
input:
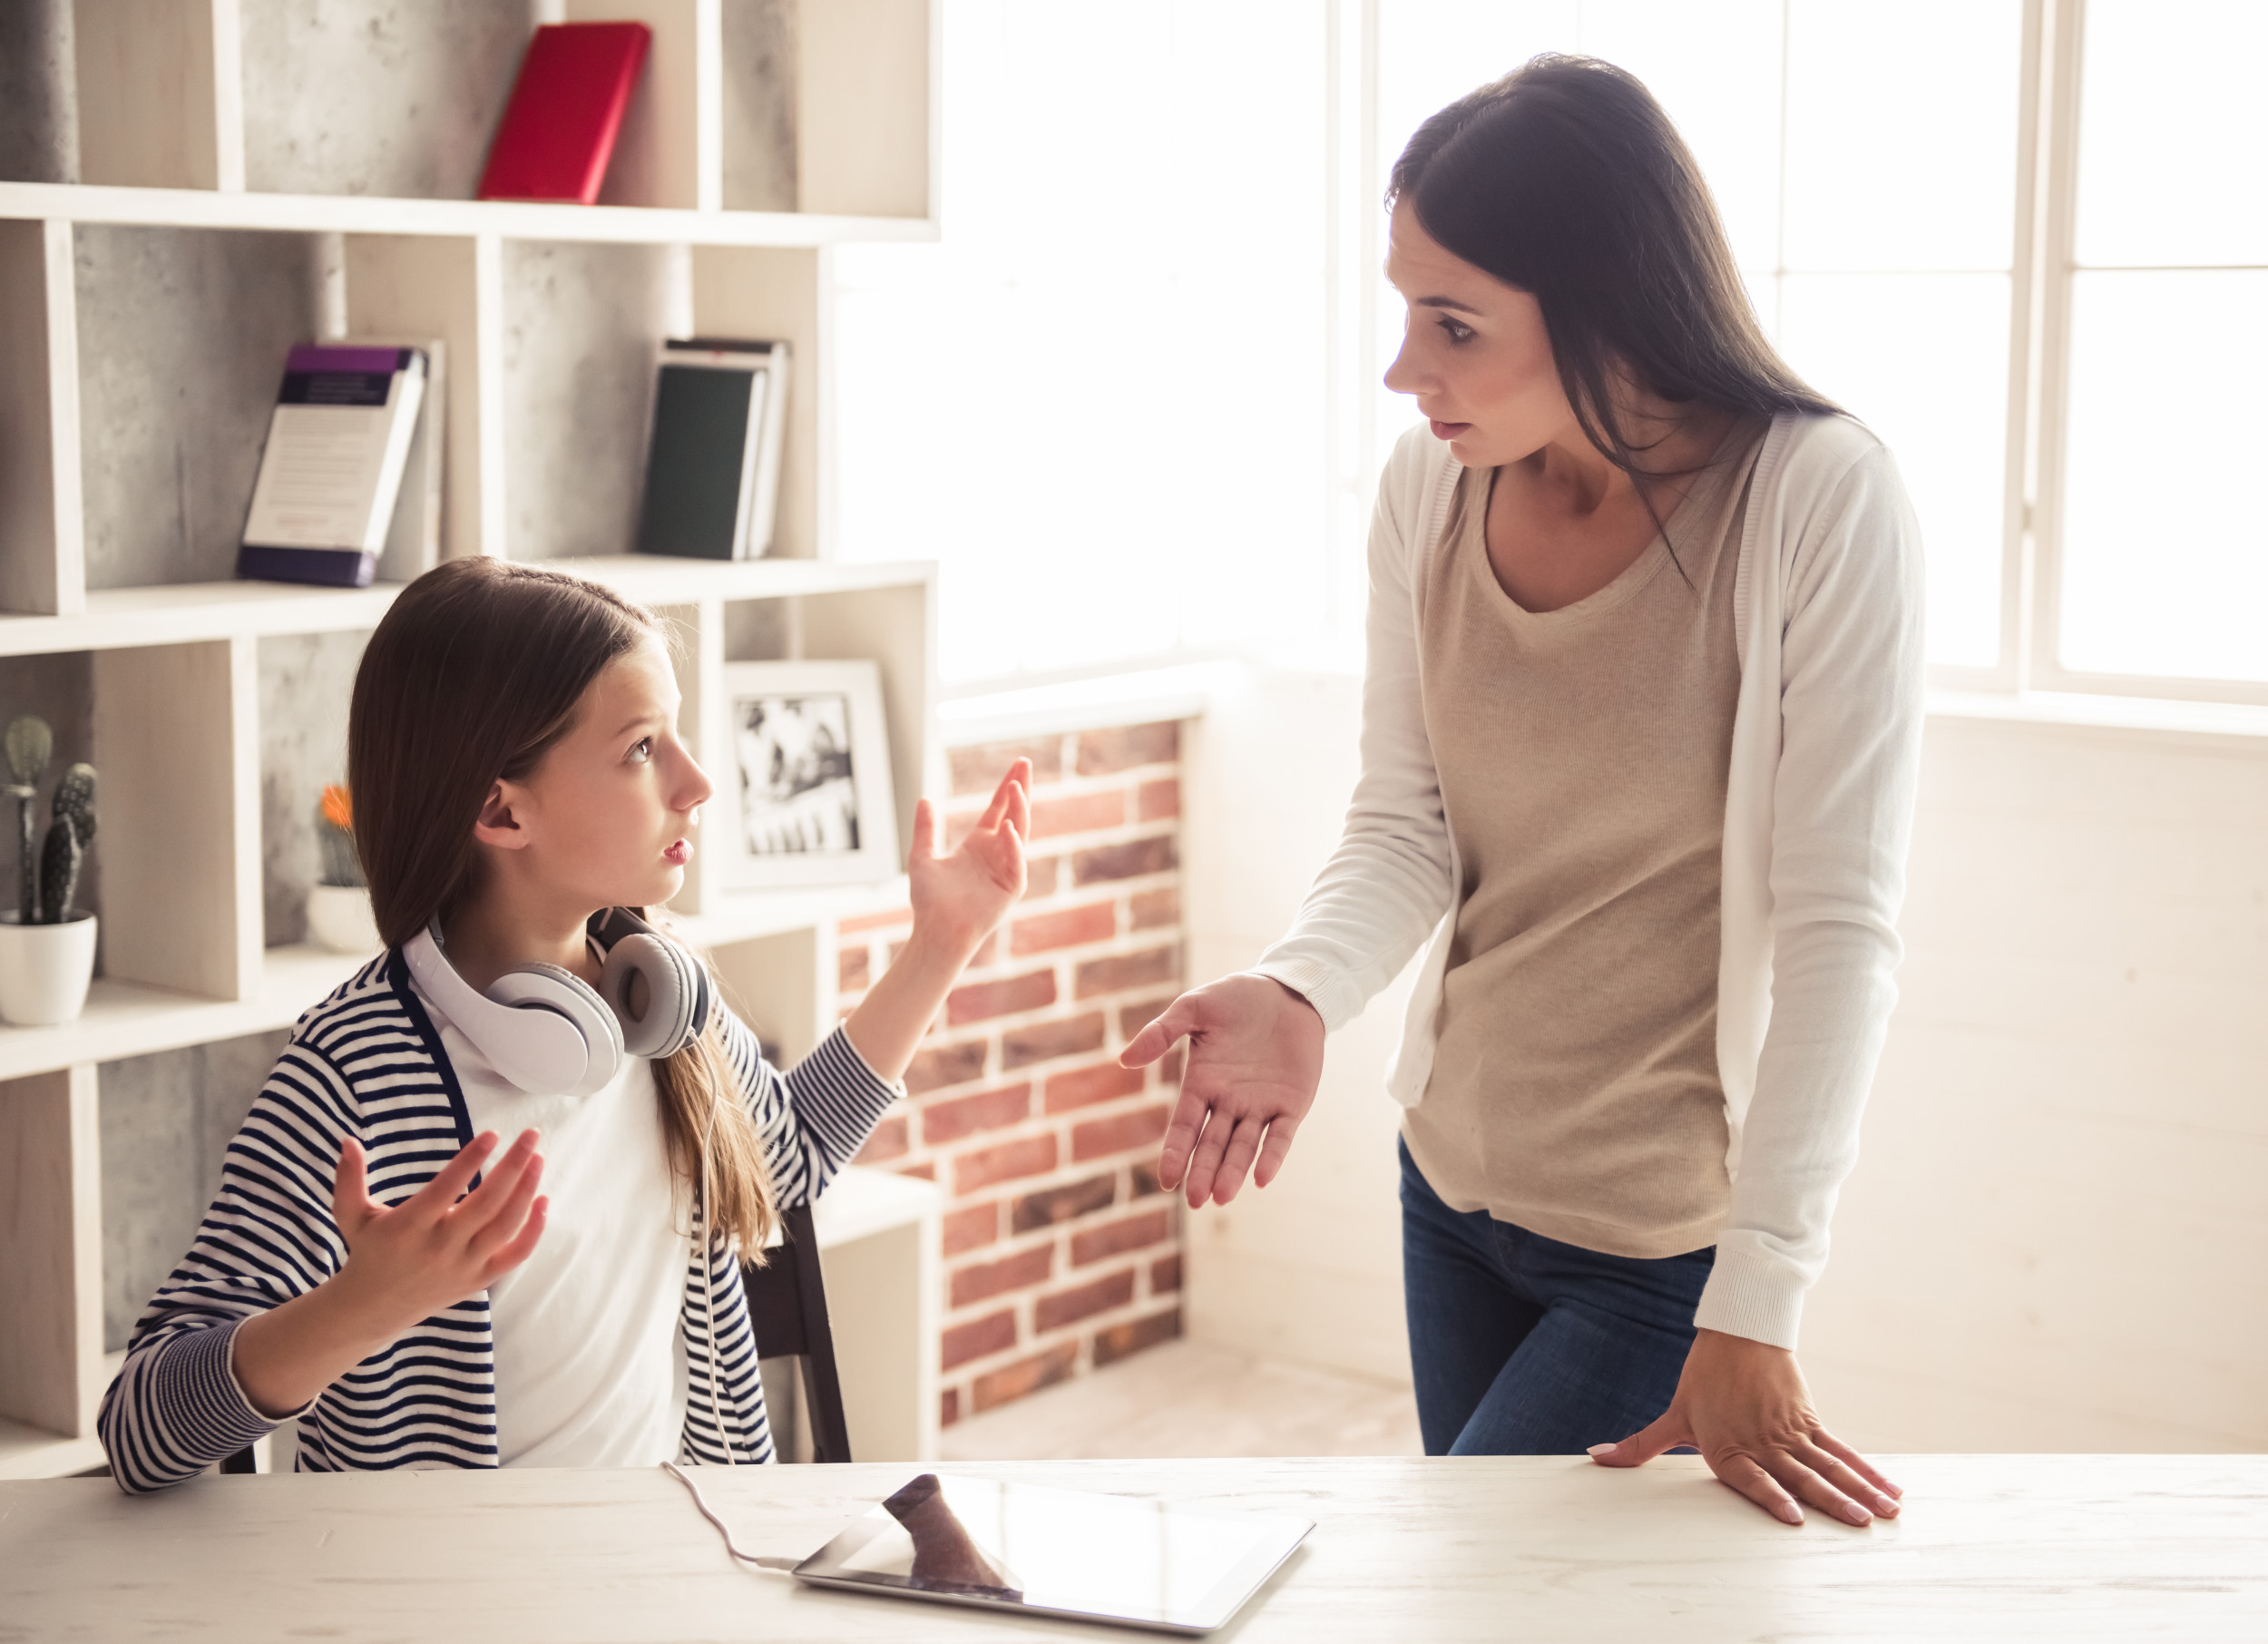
(503, 821)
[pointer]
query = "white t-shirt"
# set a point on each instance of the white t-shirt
(590, 1364)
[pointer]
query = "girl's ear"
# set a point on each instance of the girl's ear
(499, 822)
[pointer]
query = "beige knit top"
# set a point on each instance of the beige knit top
(1583, 755)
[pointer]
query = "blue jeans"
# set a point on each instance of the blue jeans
(1522, 1346)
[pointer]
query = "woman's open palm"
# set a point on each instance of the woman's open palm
(1256, 1054)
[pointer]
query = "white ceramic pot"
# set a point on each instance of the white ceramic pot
(44, 969)
(339, 917)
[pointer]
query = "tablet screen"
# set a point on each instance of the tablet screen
(1065, 1552)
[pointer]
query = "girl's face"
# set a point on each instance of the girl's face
(1475, 353)
(607, 817)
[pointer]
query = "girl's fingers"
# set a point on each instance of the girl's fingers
(1205, 1161)
(1019, 812)
(436, 1196)
(925, 830)
(524, 1246)
(1244, 1146)
(1800, 1481)
(350, 1187)
(511, 1213)
(1181, 1134)
(481, 1205)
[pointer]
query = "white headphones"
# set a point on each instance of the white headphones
(548, 1032)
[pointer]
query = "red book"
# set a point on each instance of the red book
(558, 130)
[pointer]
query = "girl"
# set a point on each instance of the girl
(1641, 728)
(373, 1266)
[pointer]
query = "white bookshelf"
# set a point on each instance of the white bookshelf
(524, 297)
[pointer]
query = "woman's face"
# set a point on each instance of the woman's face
(610, 813)
(1474, 352)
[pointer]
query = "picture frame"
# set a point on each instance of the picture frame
(806, 790)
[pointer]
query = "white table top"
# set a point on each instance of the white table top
(1512, 1548)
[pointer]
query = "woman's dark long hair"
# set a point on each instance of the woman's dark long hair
(474, 675)
(1566, 179)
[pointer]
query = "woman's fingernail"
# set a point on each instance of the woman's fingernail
(1856, 1513)
(1790, 1512)
(1602, 1449)
(1885, 1506)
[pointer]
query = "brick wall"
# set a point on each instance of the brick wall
(1061, 1253)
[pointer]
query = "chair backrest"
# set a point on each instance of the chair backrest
(787, 1308)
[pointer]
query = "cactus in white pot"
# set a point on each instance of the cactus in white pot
(46, 944)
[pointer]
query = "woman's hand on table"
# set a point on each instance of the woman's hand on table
(1256, 1054)
(1744, 1405)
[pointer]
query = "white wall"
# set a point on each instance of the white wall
(1309, 1268)
(2054, 1240)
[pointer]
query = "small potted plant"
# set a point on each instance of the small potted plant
(338, 903)
(46, 945)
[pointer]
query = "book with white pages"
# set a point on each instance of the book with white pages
(337, 443)
(413, 541)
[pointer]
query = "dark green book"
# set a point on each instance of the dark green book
(712, 469)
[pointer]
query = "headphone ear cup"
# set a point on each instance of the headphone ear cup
(676, 990)
(546, 989)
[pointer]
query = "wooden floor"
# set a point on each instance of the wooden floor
(1189, 1398)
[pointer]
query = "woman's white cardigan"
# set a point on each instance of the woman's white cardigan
(1819, 805)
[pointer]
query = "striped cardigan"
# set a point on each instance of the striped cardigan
(367, 1063)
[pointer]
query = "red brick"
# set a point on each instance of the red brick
(1165, 1274)
(1120, 1340)
(926, 1170)
(1152, 909)
(1039, 878)
(977, 769)
(951, 1119)
(994, 1333)
(889, 1140)
(949, 1407)
(1103, 751)
(1155, 800)
(1134, 1018)
(1078, 813)
(948, 1064)
(1154, 855)
(1045, 1041)
(1119, 1133)
(981, 1281)
(1141, 1179)
(1069, 1306)
(968, 1228)
(1096, 922)
(1029, 1156)
(1123, 971)
(850, 968)
(1011, 1382)
(1090, 1245)
(874, 922)
(1066, 1203)
(1083, 1087)
(1034, 989)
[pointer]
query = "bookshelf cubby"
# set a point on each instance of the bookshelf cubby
(253, 173)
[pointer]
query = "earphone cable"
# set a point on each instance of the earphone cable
(701, 1505)
(708, 1302)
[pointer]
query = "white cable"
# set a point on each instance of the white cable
(708, 1301)
(730, 1547)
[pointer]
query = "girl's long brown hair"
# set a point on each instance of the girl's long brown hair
(474, 674)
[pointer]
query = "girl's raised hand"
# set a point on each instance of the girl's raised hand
(410, 1261)
(960, 897)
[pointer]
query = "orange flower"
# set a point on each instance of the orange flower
(338, 810)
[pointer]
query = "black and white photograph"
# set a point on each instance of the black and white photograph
(798, 793)
(809, 779)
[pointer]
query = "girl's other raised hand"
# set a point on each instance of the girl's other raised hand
(960, 897)
(410, 1261)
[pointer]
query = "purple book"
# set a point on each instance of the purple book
(332, 469)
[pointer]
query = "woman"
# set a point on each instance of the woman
(1640, 729)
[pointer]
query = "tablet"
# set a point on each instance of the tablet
(1059, 1553)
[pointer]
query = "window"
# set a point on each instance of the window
(2026, 241)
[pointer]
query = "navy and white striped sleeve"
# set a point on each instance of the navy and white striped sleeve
(176, 1407)
(814, 1117)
